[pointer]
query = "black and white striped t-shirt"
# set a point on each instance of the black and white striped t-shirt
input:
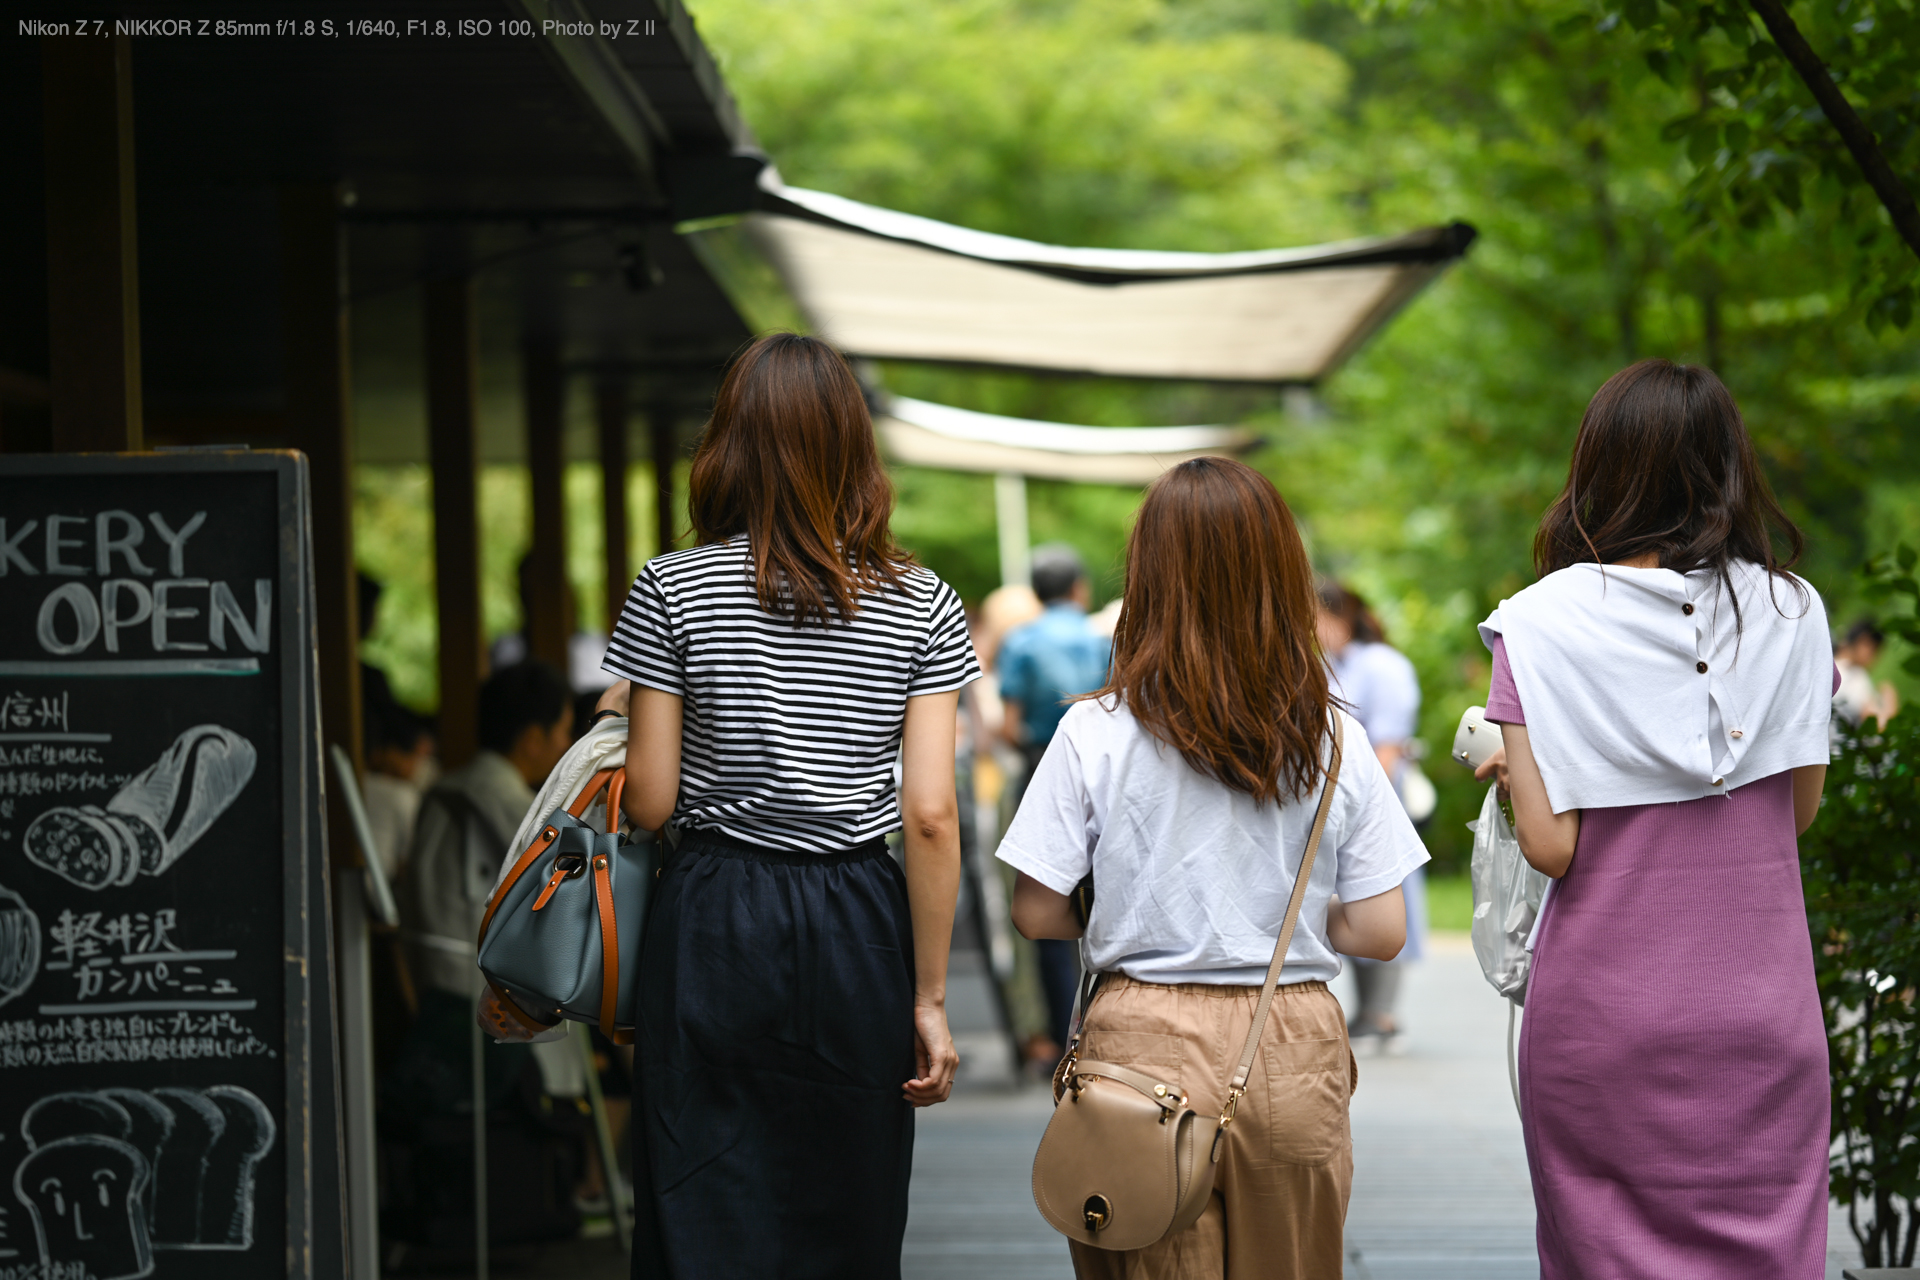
(788, 735)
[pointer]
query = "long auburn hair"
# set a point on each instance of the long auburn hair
(1215, 652)
(1663, 465)
(788, 459)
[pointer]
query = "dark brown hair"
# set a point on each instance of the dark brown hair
(1663, 465)
(1347, 605)
(1215, 652)
(788, 459)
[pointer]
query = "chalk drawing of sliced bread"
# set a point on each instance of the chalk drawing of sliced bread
(84, 846)
(226, 1193)
(185, 791)
(84, 1194)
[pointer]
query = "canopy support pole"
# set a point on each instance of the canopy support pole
(93, 273)
(665, 452)
(1010, 513)
(452, 393)
(611, 408)
(550, 621)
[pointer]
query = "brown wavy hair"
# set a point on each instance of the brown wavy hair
(1663, 465)
(788, 459)
(1215, 652)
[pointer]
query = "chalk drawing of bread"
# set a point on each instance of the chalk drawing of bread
(69, 1115)
(84, 1194)
(197, 1125)
(19, 945)
(152, 1122)
(152, 820)
(226, 1195)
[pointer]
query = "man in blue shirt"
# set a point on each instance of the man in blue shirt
(1042, 667)
(1053, 659)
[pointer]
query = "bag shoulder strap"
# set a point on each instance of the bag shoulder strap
(1238, 1084)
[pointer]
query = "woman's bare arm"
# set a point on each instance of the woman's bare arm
(930, 814)
(1808, 782)
(1039, 912)
(1375, 927)
(1546, 838)
(653, 753)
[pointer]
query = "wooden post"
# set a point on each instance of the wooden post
(665, 452)
(319, 417)
(610, 403)
(545, 393)
(452, 356)
(93, 275)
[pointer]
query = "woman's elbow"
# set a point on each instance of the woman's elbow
(932, 821)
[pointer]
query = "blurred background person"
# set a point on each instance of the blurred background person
(1859, 698)
(1379, 686)
(1042, 667)
(997, 770)
(465, 822)
(586, 650)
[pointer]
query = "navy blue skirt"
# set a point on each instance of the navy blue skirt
(775, 1031)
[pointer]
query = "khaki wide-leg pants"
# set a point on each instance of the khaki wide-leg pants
(1280, 1191)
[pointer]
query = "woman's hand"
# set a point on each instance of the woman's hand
(503, 1027)
(934, 1056)
(1495, 767)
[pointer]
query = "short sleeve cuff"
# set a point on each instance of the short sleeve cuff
(1020, 860)
(944, 683)
(1373, 886)
(672, 684)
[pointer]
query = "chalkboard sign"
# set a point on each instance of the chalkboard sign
(165, 1026)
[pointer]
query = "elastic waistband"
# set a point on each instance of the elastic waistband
(719, 844)
(1212, 990)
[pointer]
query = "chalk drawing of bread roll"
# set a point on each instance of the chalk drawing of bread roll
(152, 1122)
(19, 945)
(197, 1125)
(152, 820)
(84, 1195)
(226, 1196)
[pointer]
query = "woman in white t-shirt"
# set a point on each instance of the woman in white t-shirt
(1187, 787)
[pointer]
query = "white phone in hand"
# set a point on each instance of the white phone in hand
(1476, 739)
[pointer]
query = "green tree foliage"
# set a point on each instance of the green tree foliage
(1759, 142)
(1860, 862)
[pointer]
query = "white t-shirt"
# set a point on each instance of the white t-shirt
(1191, 878)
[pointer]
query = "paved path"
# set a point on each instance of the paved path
(1440, 1184)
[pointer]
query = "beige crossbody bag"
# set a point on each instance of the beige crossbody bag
(1121, 1163)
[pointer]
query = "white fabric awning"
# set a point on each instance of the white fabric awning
(923, 434)
(890, 285)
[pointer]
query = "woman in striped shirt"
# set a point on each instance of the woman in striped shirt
(793, 976)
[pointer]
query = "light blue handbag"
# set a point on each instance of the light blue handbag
(561, 935)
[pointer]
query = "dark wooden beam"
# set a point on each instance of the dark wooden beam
(545, 390)
(93, 272)
(452, 351)
(319, 407)
(664, 446)
(610, 407)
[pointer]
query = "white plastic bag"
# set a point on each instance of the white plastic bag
(1506, 901)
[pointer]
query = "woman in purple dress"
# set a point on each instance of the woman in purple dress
(1665, 688)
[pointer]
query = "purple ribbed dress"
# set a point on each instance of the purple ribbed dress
(1673, 1059)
